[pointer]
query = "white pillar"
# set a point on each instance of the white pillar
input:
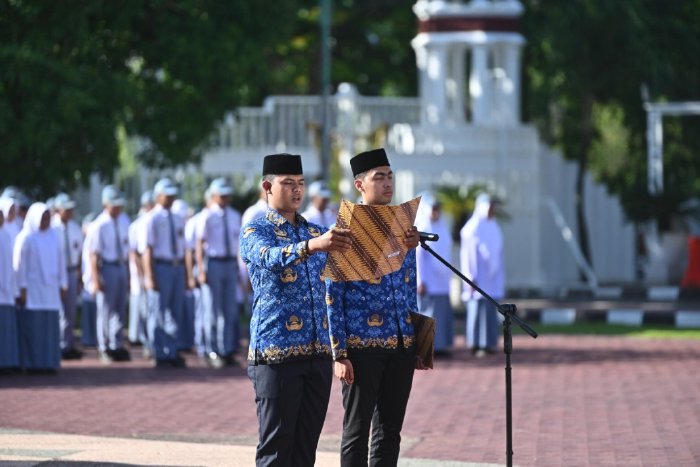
(423, 82)
(480, 85)
(455, 83)
(436, 108)
(511, 85)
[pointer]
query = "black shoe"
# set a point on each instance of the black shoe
(215, 360)
(71, 353)
(177, 362)
(229, 359)
(121, 355)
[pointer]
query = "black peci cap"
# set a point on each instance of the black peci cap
(282, 164)
(368, 160)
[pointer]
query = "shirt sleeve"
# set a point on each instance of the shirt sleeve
(335, 309)
(258, 247)
(20, 258)
(200, 228)
(411, 276)
(94, 240)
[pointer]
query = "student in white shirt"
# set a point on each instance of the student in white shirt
(41, 278)
(88, 304)
(165, 273)
(217, 244)
(70, 239)
(432, 277)
(109, 254)
(481, 254)
(138, 304)
(319, 211)
(9, 341)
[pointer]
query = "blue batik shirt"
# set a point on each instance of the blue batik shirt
(373, 316)
(289, 313)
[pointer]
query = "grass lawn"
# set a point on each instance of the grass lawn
(646, 331)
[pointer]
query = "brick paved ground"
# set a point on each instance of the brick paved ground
(578, 401)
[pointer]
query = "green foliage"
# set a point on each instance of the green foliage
(71, 73)
(586, 63)
(458, 202)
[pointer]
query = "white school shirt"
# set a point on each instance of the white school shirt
(190, 230)
(325, 218)
(39, 266)
(43, 271)
(104, 242)
(74, 240)
(430, 272)
(159, 236)
(137, 230)
(210, 229)
(8, 284)
(87, 269)
(253, 212)
(481, 255)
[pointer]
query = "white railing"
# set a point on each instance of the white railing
(296, 120)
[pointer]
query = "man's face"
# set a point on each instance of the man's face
(66, 214)
(114, 210)
(377, 186)
(286, 192)
(320, 202)
(221, 200)
(166, 200)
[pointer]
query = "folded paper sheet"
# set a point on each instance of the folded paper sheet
(378, 234)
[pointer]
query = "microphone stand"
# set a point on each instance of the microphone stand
(508, 310)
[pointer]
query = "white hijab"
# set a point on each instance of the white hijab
(10, 227)
(7, 274)
(487, 231)
(44, 243)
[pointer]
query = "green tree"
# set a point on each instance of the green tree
(586, 63)
(73, 72)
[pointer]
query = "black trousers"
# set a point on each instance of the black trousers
(292, 400)
(377, 398)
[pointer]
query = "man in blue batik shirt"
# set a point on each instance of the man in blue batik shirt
(289, 357)
(372, 337)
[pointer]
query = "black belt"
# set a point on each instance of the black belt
(222, 258)
(113, 263)
(170, 262)
(73, 268)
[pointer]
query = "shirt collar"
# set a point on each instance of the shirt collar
(278, 219)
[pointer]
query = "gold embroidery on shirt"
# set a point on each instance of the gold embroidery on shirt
(375, 320)
(288, 275)
(248, 231)
(294, 323)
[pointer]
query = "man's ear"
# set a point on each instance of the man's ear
(267, 186)
(358, 185)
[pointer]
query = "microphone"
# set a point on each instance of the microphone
(428, 237)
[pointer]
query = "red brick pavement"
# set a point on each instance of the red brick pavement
(577, 401)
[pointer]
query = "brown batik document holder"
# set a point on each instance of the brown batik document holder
(424, 332)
